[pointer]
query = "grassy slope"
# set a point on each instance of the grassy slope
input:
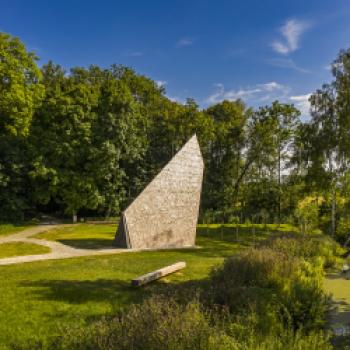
(10, 249)
(9, 229)
(87, 236)
(37, 298)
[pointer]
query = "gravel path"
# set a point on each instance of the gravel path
(58, 250)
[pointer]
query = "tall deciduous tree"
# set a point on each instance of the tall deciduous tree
(283, 121)
(20, 94)
(328, 132)
(226, 154)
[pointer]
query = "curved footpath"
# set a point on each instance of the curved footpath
(58, 250)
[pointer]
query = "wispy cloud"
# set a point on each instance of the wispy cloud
(134, 54)
(286, 63)
(161, 83)
(261, 94)
(291, 32)
(302, 103)
(183, 42)
(176, 99)
(256, 93)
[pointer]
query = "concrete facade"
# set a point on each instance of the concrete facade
(165, 214)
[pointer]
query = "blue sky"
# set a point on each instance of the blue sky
(208, 50)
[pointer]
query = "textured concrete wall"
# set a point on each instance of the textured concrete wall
(165, 214)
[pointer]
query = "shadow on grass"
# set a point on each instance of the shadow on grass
(118, 293)
(82, 291)
(222, 242)
(218, 240)
(88, 243)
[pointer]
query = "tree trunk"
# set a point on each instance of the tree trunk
(279, 184)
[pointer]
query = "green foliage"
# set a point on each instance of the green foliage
(155, 324)
(343, 229)
(160, 323)
(20, 89)
(314, 248)
(278, 286)
(307, 213)
(20, 94)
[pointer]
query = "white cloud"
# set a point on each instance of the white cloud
(291, 32)
(184, 42)
(302, 103)
(256, 93)
(286, 63)
(176, 99)
(161, 83)
(271, 86)
(261, 94)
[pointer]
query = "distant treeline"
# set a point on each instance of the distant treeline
(87, 141)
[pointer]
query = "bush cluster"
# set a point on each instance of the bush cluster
(283, 290)
(159, 323)
(314, 248)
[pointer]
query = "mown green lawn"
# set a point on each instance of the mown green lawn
(10, 249)
(9, 229)
(38, 299)
(87, 236)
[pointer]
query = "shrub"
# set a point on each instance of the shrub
(275, 285)
(313, 248)
(155, 324)
(161, 324)
(343, 229)
(256, 271)
(289, 340)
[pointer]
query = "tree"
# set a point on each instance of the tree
(20, 94)
(281, 122)
(61, 141)
(85, 136)
(327, 134)
(225, 154)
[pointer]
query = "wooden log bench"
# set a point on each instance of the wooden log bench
(152, 276)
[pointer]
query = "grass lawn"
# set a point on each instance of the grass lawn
(95, 236)
(37, 299)
(9, 229)
(10, 249)
(87, 236)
